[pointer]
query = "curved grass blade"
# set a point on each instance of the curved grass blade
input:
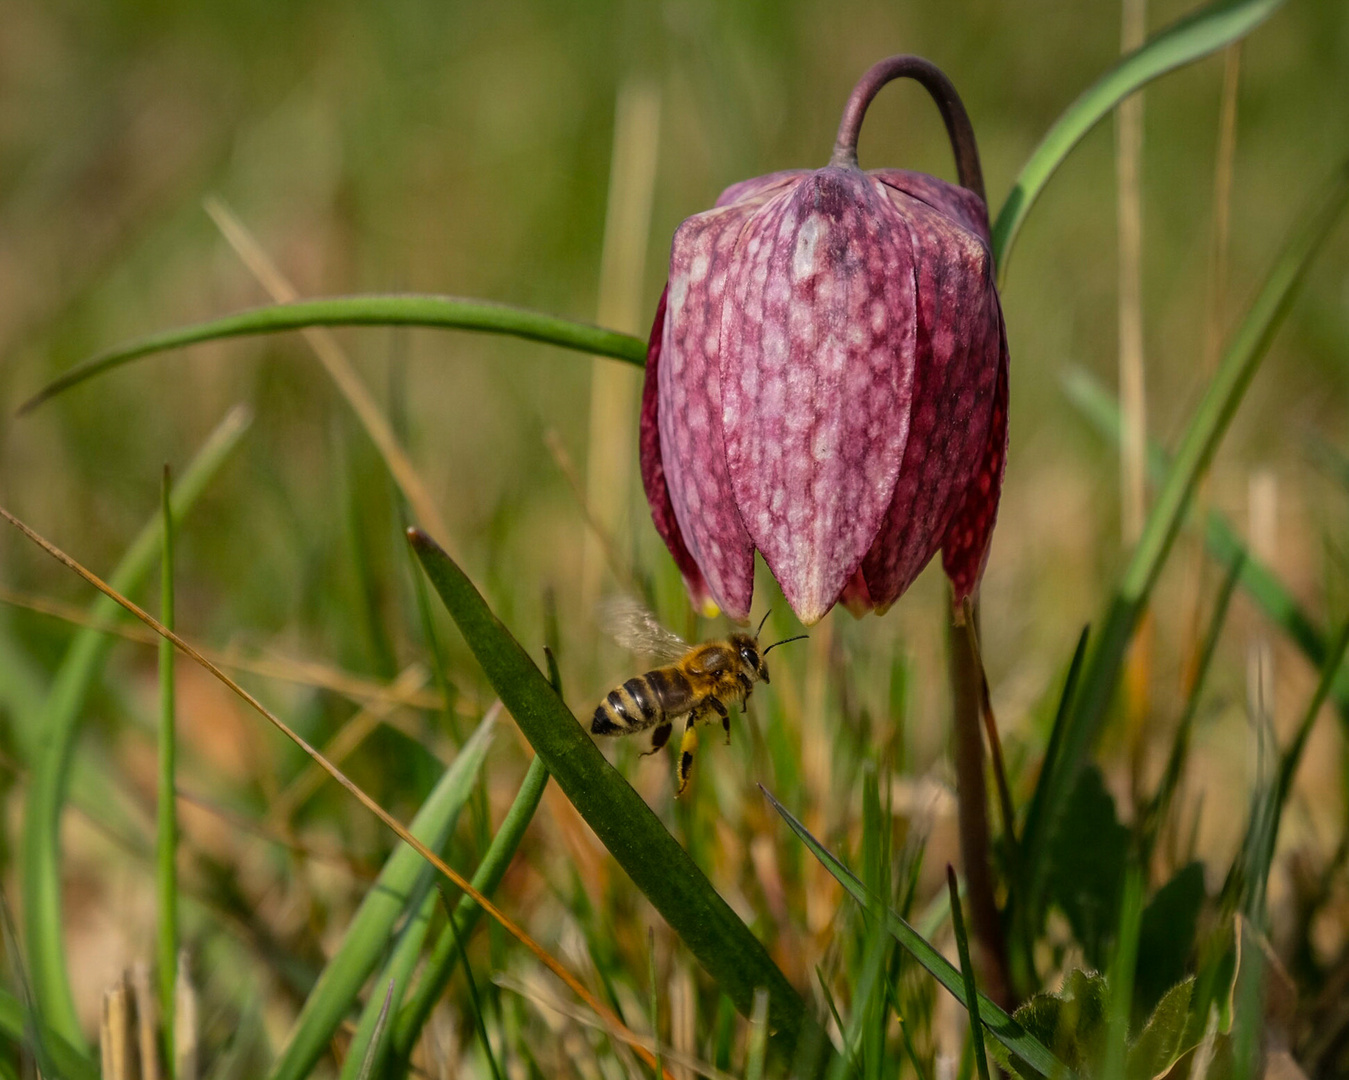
(1202, 435)
(402, 883)
(1001, 1026)
(50, 743)
(437, 312)
(1205, 31)
(407, 1026)
(652, 858)
(1279, 606)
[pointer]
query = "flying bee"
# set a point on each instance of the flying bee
(696, 686)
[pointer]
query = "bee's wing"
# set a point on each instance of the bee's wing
(636, 629)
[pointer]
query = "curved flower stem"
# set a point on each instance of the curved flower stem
(943, 93)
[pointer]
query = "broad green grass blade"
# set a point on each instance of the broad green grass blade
(48, 740)
(166, 833)
(1205, 31)
(1001, 1026)
(1279, 606)
(70, 1063)
(651, 857)
(404, 880)
(407, 1026)
(1203, 433)
(437, 312)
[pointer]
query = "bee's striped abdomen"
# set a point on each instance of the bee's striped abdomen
(643, 701)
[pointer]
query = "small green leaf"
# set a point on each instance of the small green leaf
(1074, 1022)
(1162, 1041)
(1087, 854)
(1166, 938)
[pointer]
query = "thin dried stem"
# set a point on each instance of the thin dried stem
(340, 370)
(394, 825)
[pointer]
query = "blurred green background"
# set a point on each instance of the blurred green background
(467, 149)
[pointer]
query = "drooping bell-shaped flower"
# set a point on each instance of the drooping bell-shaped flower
(826, 380)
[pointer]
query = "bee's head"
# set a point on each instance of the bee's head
(752, 655)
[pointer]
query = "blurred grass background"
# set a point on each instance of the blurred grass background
(467, 149)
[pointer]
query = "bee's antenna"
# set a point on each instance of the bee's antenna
(762, 621)
(799, 637)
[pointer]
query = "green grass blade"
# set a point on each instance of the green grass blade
(1202, 435)
(1123, 968)
(1001, 1026)
(166, 833)
(403, 880)
(439, 967)
(370, 1044)
(651, 857)
(1154, 813)
(367, 1069)
(48, 740)
(967, 974)
(1193, 37)
(1279, 606)
(1267, 805)
(437, 312)
(69, 1062)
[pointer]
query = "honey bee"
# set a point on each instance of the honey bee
(696, 686)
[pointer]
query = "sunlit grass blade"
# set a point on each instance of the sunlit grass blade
(967, 975)
(655, 998)
(48, 741)
(436, 312)
(166, 834)
(1001, 1026)
(652, 858)
(1202, 434)
(1195, 36)
(404, 880)
(1278, 605)
(617, 1027)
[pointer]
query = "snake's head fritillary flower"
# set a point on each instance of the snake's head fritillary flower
(826, 380)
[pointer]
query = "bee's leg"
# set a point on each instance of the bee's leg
(720, 709)
(687, 745)
(659, 738)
